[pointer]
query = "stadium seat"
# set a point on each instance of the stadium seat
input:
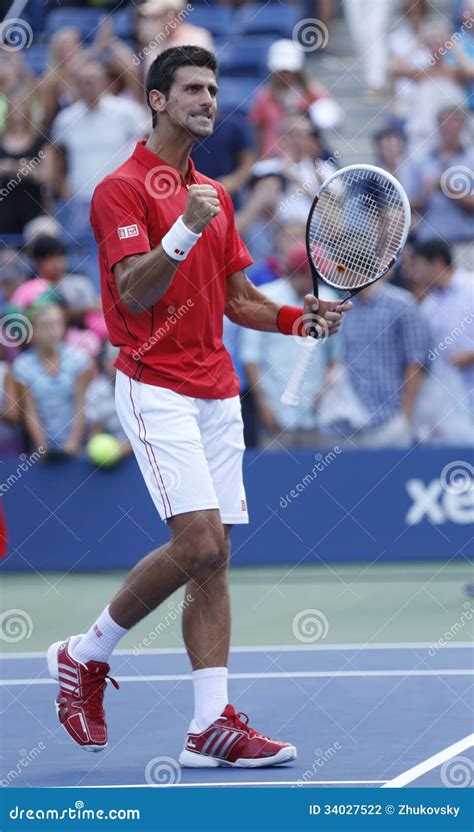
(236, 94)
(86, 21)
(218, 19)
(245, 57)
(266, 19)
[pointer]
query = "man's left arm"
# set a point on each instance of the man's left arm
(248, 307)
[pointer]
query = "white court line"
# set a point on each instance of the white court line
(229, 784)
(299, 674)
(270, 648)
(429, 764)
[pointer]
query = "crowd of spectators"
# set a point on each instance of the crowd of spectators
(402, 368)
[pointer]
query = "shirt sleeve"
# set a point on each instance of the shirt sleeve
(237, 256)
(118, 217)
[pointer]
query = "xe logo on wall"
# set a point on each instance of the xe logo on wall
(450, 497)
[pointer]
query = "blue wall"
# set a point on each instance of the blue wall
(346, 506)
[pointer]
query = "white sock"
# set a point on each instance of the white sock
(210, 695)
(100, 641)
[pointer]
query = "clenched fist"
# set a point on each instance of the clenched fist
(201, 207)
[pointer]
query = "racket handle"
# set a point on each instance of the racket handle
(292, 392)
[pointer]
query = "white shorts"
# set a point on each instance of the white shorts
(189, 450)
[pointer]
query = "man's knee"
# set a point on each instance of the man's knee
(202, 545)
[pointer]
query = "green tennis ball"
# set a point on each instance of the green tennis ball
(103, 449)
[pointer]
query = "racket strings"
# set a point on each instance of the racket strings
(356, 228)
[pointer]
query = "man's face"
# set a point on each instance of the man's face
(48, 327)
(430, 274)
(390, 149)
(52, 268)
(294, 141)
(191, 103)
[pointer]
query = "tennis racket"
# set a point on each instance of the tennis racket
(356, 229)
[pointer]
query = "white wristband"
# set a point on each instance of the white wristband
(179, 240)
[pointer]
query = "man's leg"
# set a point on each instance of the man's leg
(206, 632)
(198, 545)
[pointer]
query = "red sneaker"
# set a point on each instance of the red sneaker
(230, 741)
(79, 703)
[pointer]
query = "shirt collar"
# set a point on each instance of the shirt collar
(151, 160)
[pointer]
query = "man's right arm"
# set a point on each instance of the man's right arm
(143, 276)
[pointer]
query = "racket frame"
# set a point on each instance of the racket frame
(291, 395)
(316, 275)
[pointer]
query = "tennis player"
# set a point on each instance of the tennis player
(172, 264)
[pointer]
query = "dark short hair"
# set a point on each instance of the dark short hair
(434, 250)
(46, 246)
(162, 71)
(387, 133)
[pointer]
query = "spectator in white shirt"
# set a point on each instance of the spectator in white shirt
(94, 135)
(268, 365)
(368, 21)
(90, 139)
(407, 55)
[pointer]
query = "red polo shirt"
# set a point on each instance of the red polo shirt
(177, 343)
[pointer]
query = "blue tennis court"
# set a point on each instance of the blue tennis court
(395, 714)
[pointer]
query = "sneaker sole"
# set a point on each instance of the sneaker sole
(190, 759)
(52, 660)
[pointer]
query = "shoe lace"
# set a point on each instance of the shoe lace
(241, 720)
(93, 689)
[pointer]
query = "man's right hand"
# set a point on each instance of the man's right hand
(202, 206)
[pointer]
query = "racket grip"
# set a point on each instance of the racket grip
(291, 395)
